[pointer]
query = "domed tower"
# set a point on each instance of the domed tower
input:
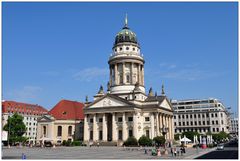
(126, 63)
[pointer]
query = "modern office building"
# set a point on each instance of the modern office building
(125, 109)
(234, 126)
(30, 113)
(201, 115)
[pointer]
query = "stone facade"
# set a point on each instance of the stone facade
(125, 109)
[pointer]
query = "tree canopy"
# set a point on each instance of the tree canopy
(16, 128)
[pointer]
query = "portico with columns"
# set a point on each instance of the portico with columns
(125, 109)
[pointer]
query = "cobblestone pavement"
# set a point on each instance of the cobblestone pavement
(91, 153)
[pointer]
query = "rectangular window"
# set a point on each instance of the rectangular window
(130, 133)
(221, 115)
(222, 129)
(216, 115)
(179, 123)
(208, 123)
(119, 134)
(91, 135)
(179, 116)
(130, 119)
(222, 122)
(195, 116)
(174, 117)
(147, 119)
(203, 116)
(190, 116)
(175, 124)
(199, 116)
(195, 122)
(91, 120)
(183, 123)
(213, 122)
(147, 133)
(100, 119)
(100, 135)
(216, 122)
(120, 119)
(203, 122)
(212, 115)
(207, 115)
(199, 122)
(187, 116)
(191, 123)
(183, 116)
(187, 123)
(217, 129)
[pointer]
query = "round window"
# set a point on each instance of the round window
(127, 48)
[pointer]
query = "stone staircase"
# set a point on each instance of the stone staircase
(105, 144)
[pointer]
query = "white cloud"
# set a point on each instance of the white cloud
(90, 74)
(26, 94)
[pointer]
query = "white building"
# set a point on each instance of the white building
(234, 126)
(30, 113)
(125, 110)
(206, 115)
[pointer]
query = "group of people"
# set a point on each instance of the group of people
(175, 151)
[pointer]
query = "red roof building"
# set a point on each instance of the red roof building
(30, 113)
(67, 110)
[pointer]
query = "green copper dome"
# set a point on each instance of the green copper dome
(125, 35)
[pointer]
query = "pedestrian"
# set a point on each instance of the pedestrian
(175, 152)
(181, 149)
(172, 151)
(98, 144)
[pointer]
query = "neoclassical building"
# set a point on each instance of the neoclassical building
(125, 109)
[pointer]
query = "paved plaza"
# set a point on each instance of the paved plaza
(92, 153)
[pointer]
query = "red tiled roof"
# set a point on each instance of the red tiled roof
(29, 109)
(67, 110)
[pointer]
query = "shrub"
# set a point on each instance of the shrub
(131, 141)
(69, 143)
(76, 143)
(144, 141)
(210, 146)
(159, 140)
(64, 142)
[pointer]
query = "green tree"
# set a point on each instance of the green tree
(144, 141)
(160, 140)
(16, 128)
(176, 136)
(190, 134)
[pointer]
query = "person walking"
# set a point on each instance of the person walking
(172, 151)
(175, 152)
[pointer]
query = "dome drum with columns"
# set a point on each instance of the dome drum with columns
(125, 109)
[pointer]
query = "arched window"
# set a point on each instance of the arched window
(44, 130)
(69, 130)
(59, 132)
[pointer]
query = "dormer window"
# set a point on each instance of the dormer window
(64, 113)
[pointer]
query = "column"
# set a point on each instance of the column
(131, 73)
(104, 127)
(123, 72)
(124, 127)
(157, 123)
(142, 75)
(160, 123)
(172, 126)
(139, 77)
(114, 128)
(135, 125)
(110, 81)
(169, 128)
(95, 128)
(152, 125)
(115, 75)
(86, 128)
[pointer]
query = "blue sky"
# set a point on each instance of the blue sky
(54, 51)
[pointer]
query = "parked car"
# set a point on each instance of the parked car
(220, 147)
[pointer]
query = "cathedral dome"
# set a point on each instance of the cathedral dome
(125, 35)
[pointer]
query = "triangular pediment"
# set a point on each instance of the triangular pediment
(109, 101)
(165, 104)
(45, 118)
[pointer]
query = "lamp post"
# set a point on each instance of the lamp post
(8, 129)
(164, 132)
